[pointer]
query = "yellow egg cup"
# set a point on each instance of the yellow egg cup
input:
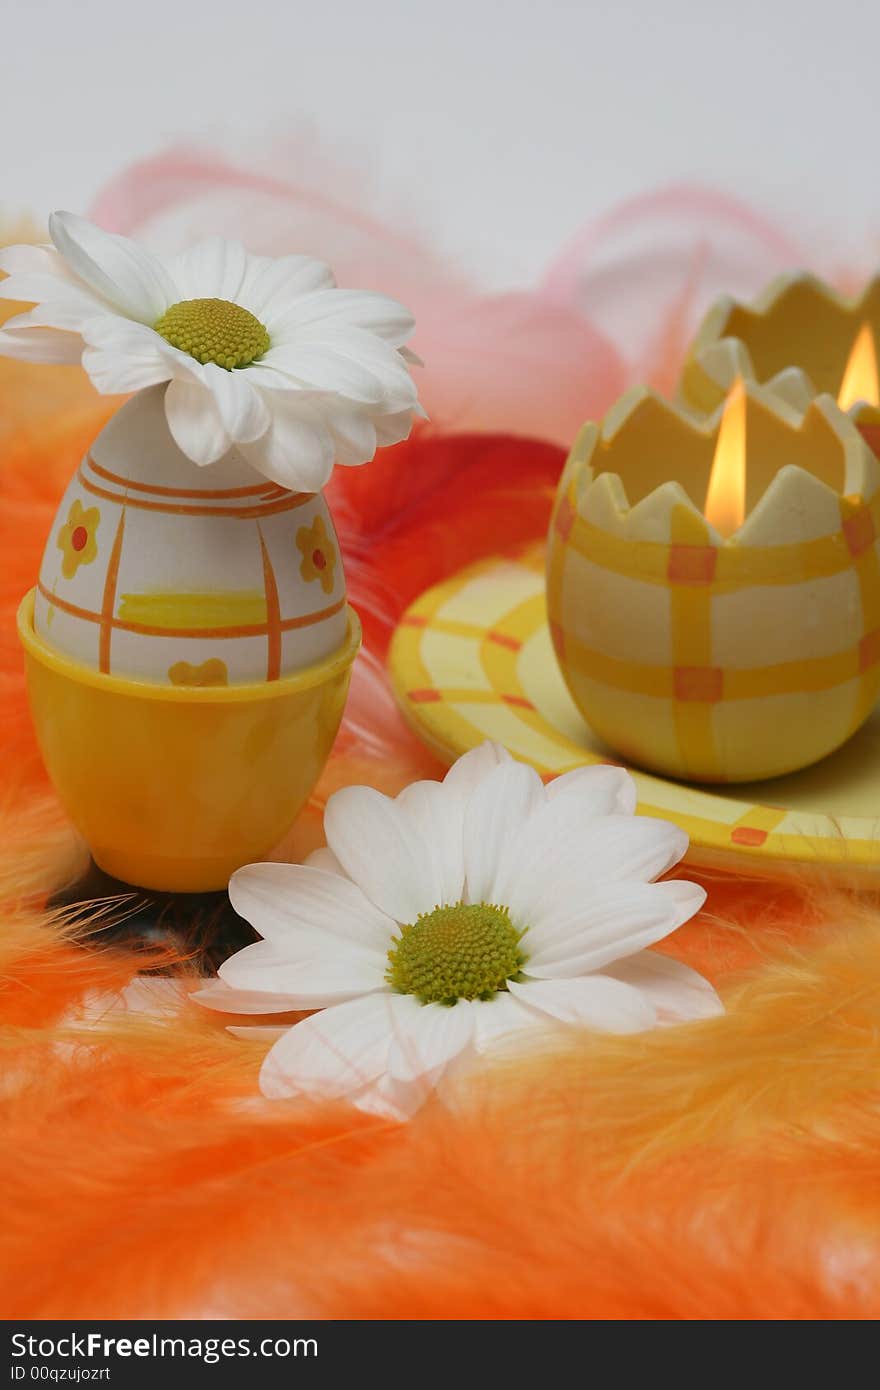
(707, 658)
(175, 787)
(795, 338)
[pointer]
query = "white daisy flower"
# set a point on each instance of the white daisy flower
(267, 355)
(459, 912)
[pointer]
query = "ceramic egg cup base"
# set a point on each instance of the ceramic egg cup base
(203, 928)
(472, 659)
(175, 787)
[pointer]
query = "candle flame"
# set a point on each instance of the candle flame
(726, 495)
(860, 381)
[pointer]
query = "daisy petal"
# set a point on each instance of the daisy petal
(25, 259)
(390, 1099)
(391, 429)
(310, 981)
(353, 434)
(41, 345)
(505, 1017)
(296, 451)
(303, 398)
(115, 375)
(441, 825)
(563, 856)
(273, 286)
(498, 808)
(334, 1053)
(325, 859)
(360, 308)
(254, 1032)
(352, 356)
(382, 849)
(69, 320)
(570, 834)
(242, 410)
(212, 269)
(428, 1038)
(119, 270)
(62, 303)
(470, 769)
(677, 992)
(604, 923)
(285, 901)
(194, 421)
(117, 334)
(375, 356)
(120, 356)
(594, 1001)
(324, 369)
(117, 351)
(217, 995)
(599, 790)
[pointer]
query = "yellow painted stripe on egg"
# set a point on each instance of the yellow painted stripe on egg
(236, 608)
(867, 567)
(802, 677)
(737, 567)
(690, 621)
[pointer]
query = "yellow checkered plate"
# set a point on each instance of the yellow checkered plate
(471, 659)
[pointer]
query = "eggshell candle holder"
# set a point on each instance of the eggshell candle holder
(188, 653)
(796, 338)
(707, 658)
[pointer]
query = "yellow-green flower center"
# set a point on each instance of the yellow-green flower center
(468, 951)
(214, 330)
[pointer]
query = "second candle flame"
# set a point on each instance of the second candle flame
(726, 495)
(860, 375)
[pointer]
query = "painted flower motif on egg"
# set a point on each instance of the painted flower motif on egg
(159, 571)
(76, 539)
(318, 555)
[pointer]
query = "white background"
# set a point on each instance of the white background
(498, 125)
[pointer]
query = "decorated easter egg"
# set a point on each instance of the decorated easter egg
(158, 570)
